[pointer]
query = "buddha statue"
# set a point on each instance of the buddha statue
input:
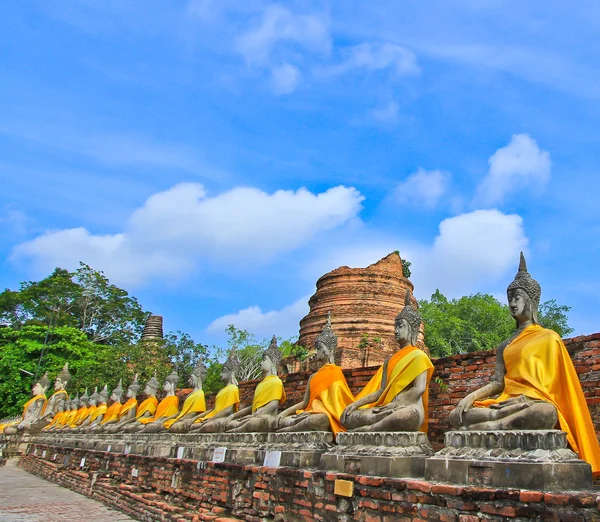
(193, 405)
(167, 409)
(128, 411)
(535, 386)
(396, 397)
(268, 395)
(62, 411)
(226, 402)
(113, 411)
(73, 409)
(86, 418)
(145, 410)
(327, 393)
(96, 417)
(60, 393)
(32, 410)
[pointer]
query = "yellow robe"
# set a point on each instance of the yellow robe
(112, 413)
(538, 366)
(100, 410)
(71, 416)
(57, 420)
(25, 406)
(167, 407)
(228, 396)
(54, 399)
(269, 389)
(128, 406)
(80, 419)
(329, 394)
(402, 369)
(148, 404)
(194, 403)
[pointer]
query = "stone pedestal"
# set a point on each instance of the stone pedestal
(302, 449)
(384, 454)
(527, 459)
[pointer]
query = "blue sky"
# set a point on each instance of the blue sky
(215, 157)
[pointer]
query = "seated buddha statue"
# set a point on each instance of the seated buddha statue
(268, 395)
(167, 409)
(193, 405)
(535, 386)
(96, 417)
(60, 393)
(396, 397)
(128, 411)
(226, 401)
(327, 393)
(113, 411)
(32, 409)
(145, 410)
(73, 408)
(85, 418)
(62, 411)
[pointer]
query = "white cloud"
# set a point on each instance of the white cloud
(285, 78)
(284, 322)
(177, 228)
(423, 188)
(372, 56)
(519, 165)
(387, 114)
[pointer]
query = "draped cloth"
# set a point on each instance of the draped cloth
(56, 420)
(128, 406)
(100, 410)
(194, 403)
(228, 396)
(85, 416)
(167, 407)
(112, 413)
(329, 394)
(39, 397)
(54, 398)
(148, 404)
(402, 369)
(80, 415)
(538, 366)
(269, 389)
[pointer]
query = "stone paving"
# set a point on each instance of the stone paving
(27, 498)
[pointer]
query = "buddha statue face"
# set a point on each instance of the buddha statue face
(149, 390)
(167, 387)
(267, 365)
(519, 304)
(37, 389)
(58, 384)
(225, 374)
(323, 352)
(193, 380)
(403, 332)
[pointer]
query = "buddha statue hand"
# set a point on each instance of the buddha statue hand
(456, 416)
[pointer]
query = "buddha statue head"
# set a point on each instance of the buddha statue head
(230, 367)
(198, 374)
(134, 388)
(40, 387)
(94, 397)
(63, 378)
(524, 295)
(152, 386)
(271, 358)
(117, 393)
(171, 383)
(103, 395)
(61, 404)
(84, 401)
(76, 402)
(326, 343)
(407, 323)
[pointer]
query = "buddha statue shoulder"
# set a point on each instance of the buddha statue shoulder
(396, 397)
(535, 385)
(327, 393)
(268, 395)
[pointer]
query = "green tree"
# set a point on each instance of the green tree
(477, 322)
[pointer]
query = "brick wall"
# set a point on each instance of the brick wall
(460, 375)
(181, 490)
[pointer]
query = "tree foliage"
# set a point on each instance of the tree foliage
(478, 322)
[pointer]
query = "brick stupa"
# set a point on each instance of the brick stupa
(364, 303)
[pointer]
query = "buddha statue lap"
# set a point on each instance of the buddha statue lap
(227, 400)
(32, 410)
(396, 398)
(535, 381)
(194, 403)
(268, 395)
(327, 393)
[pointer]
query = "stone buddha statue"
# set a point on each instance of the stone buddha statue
(98, 414)
(535, 386)
(113, 411)
(62, 410)
(60, 393)
(86, 418)
(81, 411)
(268, 395)
(327, 393)
(396, 398)
(127, 412)
(193, 405)
(145, 410)
(32, 410)
(167, 409)
(226, 402)
(73, 409)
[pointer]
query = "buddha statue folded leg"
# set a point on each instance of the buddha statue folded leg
(306, 421)
(387, 418)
